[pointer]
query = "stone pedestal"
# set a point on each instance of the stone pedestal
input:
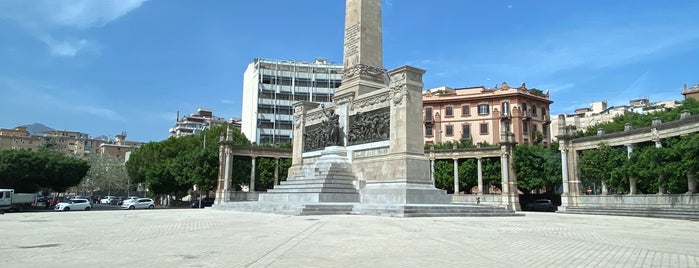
(330, 180)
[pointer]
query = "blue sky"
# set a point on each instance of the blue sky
(103, 67)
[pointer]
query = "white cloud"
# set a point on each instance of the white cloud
(43, 18)
(80, 14)
(68, 47)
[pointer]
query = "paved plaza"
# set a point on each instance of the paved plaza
(213, 238)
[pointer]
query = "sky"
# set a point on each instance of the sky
(111, 66)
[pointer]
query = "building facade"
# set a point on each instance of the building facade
(481, 115)
(67, 142)
(599, 112)
(270, 87)
(196, 123)
(691, 92)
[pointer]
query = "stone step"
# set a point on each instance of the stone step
(433, 210)
(308, 189)
(653, 212)
(317, 181)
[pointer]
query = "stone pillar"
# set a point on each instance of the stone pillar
(633, 187)
(605, 189)
(456, 176)
(223, 192)
(252, 175)
(300, 110)
(432, 171)
(480, 176)
(510, 193)
(691, 183)
(276, 172)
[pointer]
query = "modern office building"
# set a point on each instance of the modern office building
(270, 88)
(195, 123)
(482, 114)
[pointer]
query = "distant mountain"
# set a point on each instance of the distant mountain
(37, 128)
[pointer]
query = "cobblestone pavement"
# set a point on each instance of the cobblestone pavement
(212, 238)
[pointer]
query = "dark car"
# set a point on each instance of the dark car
(206, 202)
(541, 205)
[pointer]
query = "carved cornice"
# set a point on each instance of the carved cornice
(369, 101)
(375, 73)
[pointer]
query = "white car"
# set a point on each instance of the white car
(138, 203)
(107, 199)
(74, 204)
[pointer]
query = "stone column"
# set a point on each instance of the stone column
(252, 175)
(691, 183)
(276, 171)
(480, 176)
(432, 171)
(456, 176)
(510, 192)
(223, 192)
(300, 110)
(633, 187)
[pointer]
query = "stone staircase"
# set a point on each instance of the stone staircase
(653, 212)
(432, 210)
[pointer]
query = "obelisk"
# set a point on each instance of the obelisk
(362, 61)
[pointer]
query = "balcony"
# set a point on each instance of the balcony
(429, 119)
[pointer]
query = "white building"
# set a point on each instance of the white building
(599, 113)
(195, 123)
(270, 88)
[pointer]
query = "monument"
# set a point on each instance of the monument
(364, 152)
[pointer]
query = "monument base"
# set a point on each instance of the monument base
(401, 192)
(330, 179)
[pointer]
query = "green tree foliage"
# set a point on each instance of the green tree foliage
(174, 165)
(492, 174)
(27, 171)
(688, 151)
(654, 168)
(537, 167)
(605, 164)
(468, 174)
(444, 174)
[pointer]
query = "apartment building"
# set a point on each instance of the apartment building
(67, 142)
(482, 114)
(270, 87)
(196, 123)
(600, 112)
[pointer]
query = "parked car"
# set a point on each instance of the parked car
(121, 201)
(206, 202)
(74, 204)
(541, 205)
(107, 199)
(146, 203)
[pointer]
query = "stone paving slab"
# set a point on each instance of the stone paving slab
(213, 238)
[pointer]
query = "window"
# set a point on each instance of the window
(465, 110)
(484, 128)
(428, 115)
(524, 109)
(506, 127)
(450, 130)
(534, 110)
(545, 131)
(466, 132)
(525, 127)
(428, 131)
(543, 111)
(505, 109)
(483, 109)
(449, 111)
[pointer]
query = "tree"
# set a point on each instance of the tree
(604, 165)
(28, 171)
(444, 175)
(468, 175)
(107, 175)
(537, 167)
(174, 165)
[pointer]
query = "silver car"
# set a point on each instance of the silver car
(74, 204)
(146, 203)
